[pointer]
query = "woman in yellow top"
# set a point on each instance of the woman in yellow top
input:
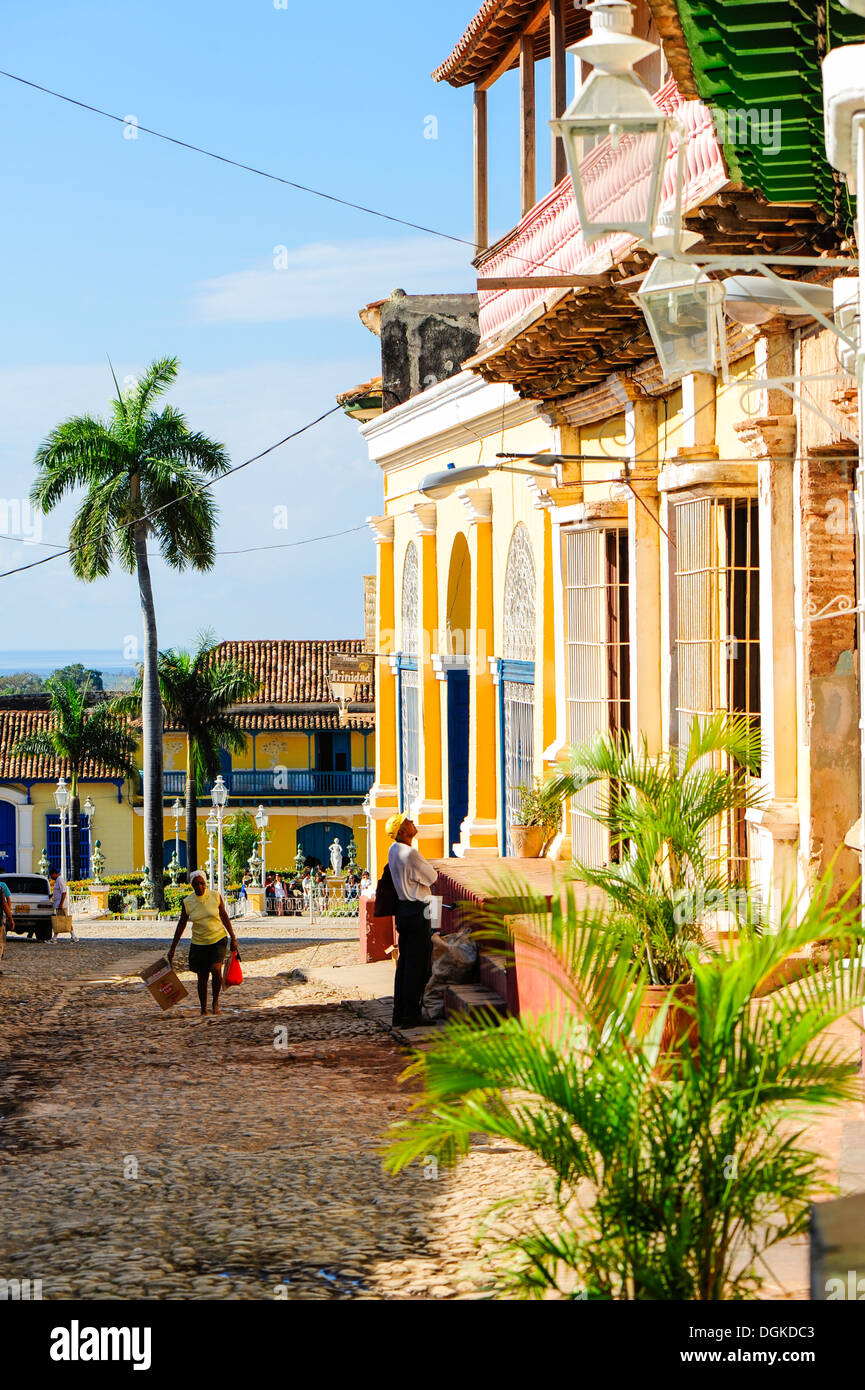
(211, 930)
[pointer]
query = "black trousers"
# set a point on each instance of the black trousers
(414, 964)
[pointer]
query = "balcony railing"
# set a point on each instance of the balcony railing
(548, 240)
(279, 781)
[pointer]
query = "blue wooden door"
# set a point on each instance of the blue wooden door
(316, 840)
(8, 862)
(458, 753)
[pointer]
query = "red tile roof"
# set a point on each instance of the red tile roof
(494, 30)
(294, 695)
(14, 724)
(295, 672)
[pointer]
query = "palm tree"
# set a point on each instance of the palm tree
(670, 1181)
(80, 733)
(661, 815)
(198, 691)
(145, 474)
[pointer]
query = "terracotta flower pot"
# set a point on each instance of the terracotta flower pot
(680, 1026)
(528, 841)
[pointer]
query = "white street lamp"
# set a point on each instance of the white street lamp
(211, 825)
(177, 811)
(219, 797)
(682, 308)
(437, 486)
(61, 801)
(262, 819)
(89, 810)
(615, 136)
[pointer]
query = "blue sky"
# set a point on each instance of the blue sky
(135, 249)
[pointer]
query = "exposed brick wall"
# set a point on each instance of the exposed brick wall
(828, 552)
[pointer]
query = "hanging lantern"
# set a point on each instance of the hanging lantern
(615, 136)
(682, 308)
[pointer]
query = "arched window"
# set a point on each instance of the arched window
(409, 687)
(517, 676)
(519, 619)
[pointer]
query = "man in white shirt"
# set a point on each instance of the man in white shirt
(413, 877)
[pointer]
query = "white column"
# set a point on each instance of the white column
(644, 577)
(771, 438)
(26, 847)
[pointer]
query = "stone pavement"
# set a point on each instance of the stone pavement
(149, 1155)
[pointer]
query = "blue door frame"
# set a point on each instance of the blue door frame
(458, 753)
(8, 838)
(521, 673)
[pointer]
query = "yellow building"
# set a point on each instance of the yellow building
(311, 773)
(689, 552)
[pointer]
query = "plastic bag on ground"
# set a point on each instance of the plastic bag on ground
(454, 958)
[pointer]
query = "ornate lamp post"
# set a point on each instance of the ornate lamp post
(211, 825)
(262, 820)
(44, 864)
(61, 801)
(90, 811)
(177, 811)
(219, 797)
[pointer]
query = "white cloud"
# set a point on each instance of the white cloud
(333, 279)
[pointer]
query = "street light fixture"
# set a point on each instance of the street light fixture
(439, 485)
(682, 308)
(89, 810)
(262, 819)
(177, 811)
(61, 801)
(616, 112)
(211, 825)
(219, 797)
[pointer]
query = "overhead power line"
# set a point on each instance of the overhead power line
(238, 164)
(264, 173)
(208, 483)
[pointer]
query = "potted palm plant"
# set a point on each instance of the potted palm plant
(670, 1188)
(662, 814)
(670, 871)
(537, 821)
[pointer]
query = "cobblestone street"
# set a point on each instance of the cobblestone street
(164, 1156)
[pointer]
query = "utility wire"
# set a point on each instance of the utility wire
(238, 164)
(266, 174)
(208, 483)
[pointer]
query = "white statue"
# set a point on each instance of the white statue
(336, 857)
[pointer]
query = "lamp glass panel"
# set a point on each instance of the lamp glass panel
(680, 316)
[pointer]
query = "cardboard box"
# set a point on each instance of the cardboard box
(163, 983)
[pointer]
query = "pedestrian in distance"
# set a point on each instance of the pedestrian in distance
(279, 895)
(5, 916)
(59, 896)
(413, 877)
(211, 925)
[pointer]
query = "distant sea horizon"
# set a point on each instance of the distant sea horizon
(41, 662)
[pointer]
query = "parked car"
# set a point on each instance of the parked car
(31, 903)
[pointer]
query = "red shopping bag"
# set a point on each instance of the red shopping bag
(233, 972)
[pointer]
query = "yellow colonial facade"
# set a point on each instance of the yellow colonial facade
(465, 637)
(310, 772)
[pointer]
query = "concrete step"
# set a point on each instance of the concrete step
(464, 999)
(493, 974)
